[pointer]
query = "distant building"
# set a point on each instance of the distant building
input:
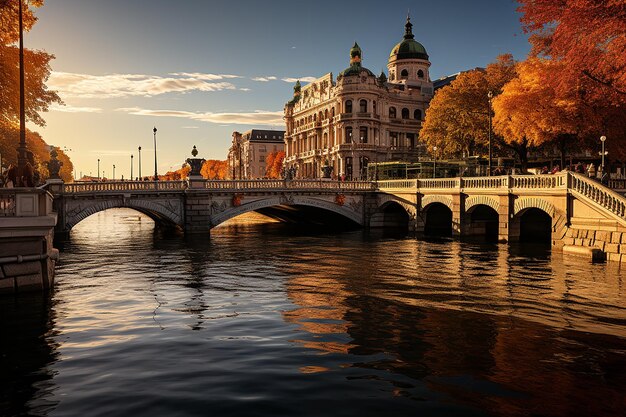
(246, 156)
(447, 80)
(361, 118)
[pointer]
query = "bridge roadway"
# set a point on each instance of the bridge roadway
(575, 213)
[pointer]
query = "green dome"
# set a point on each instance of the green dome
(409, 48)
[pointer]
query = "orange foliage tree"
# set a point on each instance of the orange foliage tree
(530, 112)
(274, 164)
(214, 169)
(588, 37)
(38, 97)
(457, 117)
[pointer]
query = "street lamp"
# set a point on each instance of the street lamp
(603, 153)
(435, 162)
(22, 158)
(156, 175)
(131, 167)
(490, 96)
(139, 149)
(98, 168)
(113, 172)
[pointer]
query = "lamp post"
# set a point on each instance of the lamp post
(603, 153)
(131, 167)
(156, 175)
(434, 162)
(489, 96)
(22, 158)
(139, 162)
(98, 168)
(113, 172)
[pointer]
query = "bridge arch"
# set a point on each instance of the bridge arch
(442, 199)
(162, 212)
(351, 210)
(533, 215)
(472, 202)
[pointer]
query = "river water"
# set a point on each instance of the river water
(268, 320)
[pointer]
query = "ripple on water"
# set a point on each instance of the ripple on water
(262, 319)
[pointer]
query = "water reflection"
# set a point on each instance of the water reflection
(272, 320)
(27, 355)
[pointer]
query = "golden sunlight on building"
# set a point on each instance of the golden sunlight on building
(360, 118)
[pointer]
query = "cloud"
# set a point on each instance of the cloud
(205, 76)
(74, 109)
(301, 79)
(264, 79)
(244, 89)
(257, 117)
(127, 85)
(191, 127)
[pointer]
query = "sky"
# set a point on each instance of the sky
(198, 70)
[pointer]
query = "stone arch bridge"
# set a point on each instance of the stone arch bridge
(572, 211)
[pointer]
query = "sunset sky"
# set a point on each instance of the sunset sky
(199, 70)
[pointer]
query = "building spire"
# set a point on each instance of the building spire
(408, 28)
(355, 55)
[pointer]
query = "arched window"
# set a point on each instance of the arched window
(392, 76)
(348, 135)
(363, 106)
(392, 112)
(332, 112)
(363, 135)
(420, 74)
(348, 106)
(374, 105)
(404, 74)
(326, 114)
(405, 113)
(314, 117)
(417, 114)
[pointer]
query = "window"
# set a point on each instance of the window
(405, 113)
(392, 112)
(392, 76)
(374, 105)
(348, 106)
(404, 74)
(417, 114)
(262, 148)
(348, 135)
(420, 74)
(363, 134)
(363, 106)
(262, 158)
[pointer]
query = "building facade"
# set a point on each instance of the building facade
(247, 154)
(360, 118)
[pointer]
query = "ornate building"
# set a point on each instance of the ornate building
(360, 118)
(246, 156)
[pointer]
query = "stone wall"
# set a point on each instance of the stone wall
(611, 243)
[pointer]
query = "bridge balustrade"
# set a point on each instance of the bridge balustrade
(89, 187)
(485, 182)
(235, 185)
(439, 183)
(539, 181)
(609, 199)
(24, 202)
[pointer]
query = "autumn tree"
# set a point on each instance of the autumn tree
(274, 164)
(457, 119)
(588, 37)
(214, 170)
(38, 98)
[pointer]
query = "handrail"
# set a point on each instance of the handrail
(599, 194)
(88, 187)
(300, 184)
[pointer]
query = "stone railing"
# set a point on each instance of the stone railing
(539, 181)
(397, 184)
(236, 185)
(24, 202)
(440, 183)
(599, 194)
(484, 182)
(90, 187)
(500, 182)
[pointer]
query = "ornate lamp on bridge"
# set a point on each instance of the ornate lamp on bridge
(98, 168)
(139, 149)
(489, 96)
(156, 176)
(195, 178)
(603, 154)
(131, 167)
(434, 162)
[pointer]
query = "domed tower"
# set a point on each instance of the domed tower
(408, 61)
(355, 67)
